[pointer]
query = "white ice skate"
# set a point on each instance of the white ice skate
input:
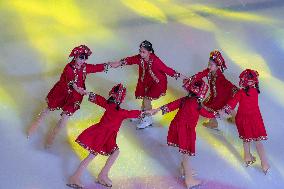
(145, 122)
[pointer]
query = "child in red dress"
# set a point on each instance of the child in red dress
(64, 94)
(101, 137)
(248, 119)
(221, 90)
(182, 132)
(152, 80)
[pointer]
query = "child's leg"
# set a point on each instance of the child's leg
(248, 157)
(147, 121)
(262, 155)
(75, 178)
(247, 154)
(212, 123)
(189, 180)
(182, 173)
(35, 124)
(103, 176)
(233, 116)
(147, 104)
(51, 136)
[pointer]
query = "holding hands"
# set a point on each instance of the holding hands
(114, 64)
(153, 111)
(223, 114)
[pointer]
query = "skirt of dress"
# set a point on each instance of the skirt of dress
(98, 140)
(151, 90)
(59, 98)
(251, 127)
(183, 136)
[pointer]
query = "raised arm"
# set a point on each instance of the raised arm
(167, 70)
(201, 74)
(97, 99)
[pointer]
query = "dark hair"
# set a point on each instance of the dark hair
(247, 89)
(147, 45)
(83, 56)
(191, 95)
(251, 76)
(257, 87)
(111, 99)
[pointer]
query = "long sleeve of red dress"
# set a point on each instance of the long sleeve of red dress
(131, 60)
(93, 68)
(205, 113)
(68, 77)
(132, 113)
(167, 70)
(201, 74)
(171, 106)
(97, 99)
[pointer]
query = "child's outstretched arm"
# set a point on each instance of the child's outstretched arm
(97, 99)
(167, 107)
(152, 112)
(209, 114)
(125, 61)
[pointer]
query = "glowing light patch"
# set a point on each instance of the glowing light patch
(230, 14)
(146, 9)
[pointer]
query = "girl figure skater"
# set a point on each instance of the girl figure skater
(101, 137)
(249, 121)
(63, 95)
(152, 80)
(182, 132)
(221, 90)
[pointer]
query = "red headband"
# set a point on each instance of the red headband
(82, 49)
(217, 57)
(197, 86)
(118, 92)
(248, 78)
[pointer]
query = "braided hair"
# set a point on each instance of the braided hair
(250, 76)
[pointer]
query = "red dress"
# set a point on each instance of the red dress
(221, 90)
(182, 132)
(152, 81)
(62, 95)
(248, 119)
(101, 137)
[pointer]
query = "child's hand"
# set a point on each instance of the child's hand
(82, 91)
(114, 64)
(222, 114)
(185, 80)
(86, 92)
(152, 112)
(183, 77)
